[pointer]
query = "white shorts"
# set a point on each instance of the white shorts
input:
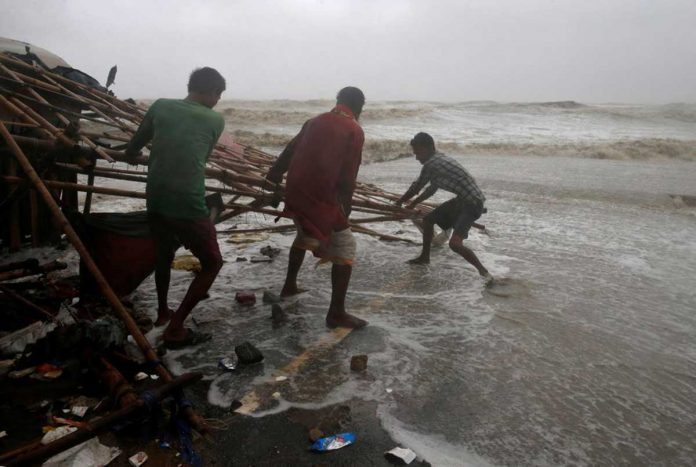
(340, 249)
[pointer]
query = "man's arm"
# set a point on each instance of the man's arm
(349, 173)
(417, 186)
(282, 164)
(425, 195)
(143, 135)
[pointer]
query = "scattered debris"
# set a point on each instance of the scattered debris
(58, 433)
(79, 410)
(331, 443)
(241, 259)
(18, 374)
(270, 297)
(138, 459)
(358, 363)
(18, 340)
(235, 405)
(90, 453)
(187, 263)
(278, 314)
(281, 378)
(3, 433)
(245, 298)
(403, 456)
(270, 251)
(261, 259)
(141, 376)
(248, 354)
(276, 395)
(242, 238)
(389, 390)
(228, 363)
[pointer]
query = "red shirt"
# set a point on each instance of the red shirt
(322, 163)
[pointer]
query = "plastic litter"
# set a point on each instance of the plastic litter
(389, 390)
(228, 363)
(137, 459)
(241, 238)
(79, 410)
(331, 443)
(399, 455)
(3, 433)
(281, 378)
(141, 376)
(57, 434)
(276, 395)
(18, 340)
(245, 298)
(89, 453)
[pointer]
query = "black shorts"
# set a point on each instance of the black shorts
(456, 213)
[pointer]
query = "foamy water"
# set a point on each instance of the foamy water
(582, 356)
(570, 129)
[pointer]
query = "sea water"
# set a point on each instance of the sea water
(581, 355)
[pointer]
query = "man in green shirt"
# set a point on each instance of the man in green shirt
(183, 132)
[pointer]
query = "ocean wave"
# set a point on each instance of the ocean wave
(379, 150)
(249, 117)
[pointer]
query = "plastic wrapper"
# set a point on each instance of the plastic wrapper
(331, 443)
(228, 363)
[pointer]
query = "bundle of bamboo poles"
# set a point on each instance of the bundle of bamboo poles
(50, 112)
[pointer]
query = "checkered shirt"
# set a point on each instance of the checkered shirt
(446, 173)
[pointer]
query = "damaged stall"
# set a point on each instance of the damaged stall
(62, 137)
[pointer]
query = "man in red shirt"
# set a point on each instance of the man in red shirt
(322, 163)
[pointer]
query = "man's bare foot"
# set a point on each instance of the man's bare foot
(290, 291)
(419, 260)
(344, 320)
(163, 317)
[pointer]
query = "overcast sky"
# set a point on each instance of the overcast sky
(505, 50)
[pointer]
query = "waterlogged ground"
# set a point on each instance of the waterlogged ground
(582, 355)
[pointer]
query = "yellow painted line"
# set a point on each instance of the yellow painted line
(252, 400)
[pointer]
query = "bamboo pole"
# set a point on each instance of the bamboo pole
(32, 306)
(34, 207)
(79, 187)
(32, 271)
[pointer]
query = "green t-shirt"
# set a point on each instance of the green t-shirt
(183, 134)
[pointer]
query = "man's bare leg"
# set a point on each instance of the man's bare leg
(428, 232)
(196, 292)
(456, 244)
(337, 316)
(163, 266)
(295, 260)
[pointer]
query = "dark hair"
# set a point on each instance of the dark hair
(423, 140)
(351, 97)
(206, 80)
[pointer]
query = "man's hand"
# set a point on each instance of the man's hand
(132, 157)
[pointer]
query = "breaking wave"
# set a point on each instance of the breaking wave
(380, 150)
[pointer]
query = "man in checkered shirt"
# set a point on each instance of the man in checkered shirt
(460, 212)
